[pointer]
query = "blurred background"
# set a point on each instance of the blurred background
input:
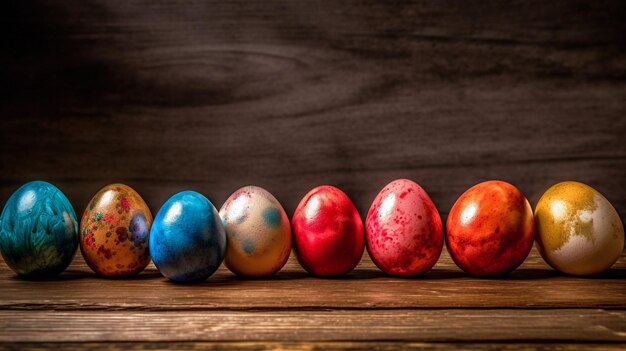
(288, 95)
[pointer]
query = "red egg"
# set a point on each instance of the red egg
(327, 232)
(490, 229)
(403, 230)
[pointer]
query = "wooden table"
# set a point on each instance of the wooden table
(533, 308)
(290, 94)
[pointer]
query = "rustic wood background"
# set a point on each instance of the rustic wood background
(214, 95)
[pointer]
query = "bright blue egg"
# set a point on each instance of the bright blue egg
(38, 230)
(187, 239)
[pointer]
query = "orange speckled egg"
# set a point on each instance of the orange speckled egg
(114, 232)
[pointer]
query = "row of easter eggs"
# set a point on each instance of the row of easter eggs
(490, 231)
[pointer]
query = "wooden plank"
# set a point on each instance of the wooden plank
(408, 325)
(307, 346)
(534, 285)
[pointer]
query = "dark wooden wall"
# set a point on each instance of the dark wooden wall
(214, 95)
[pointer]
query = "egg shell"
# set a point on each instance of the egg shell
(328, 232)
(579, 232)
(404, 233)
(38, 231)
(490, 229)
(187, 240)
(114, 232)
(258, 232)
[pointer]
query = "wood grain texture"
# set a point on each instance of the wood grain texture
(421, 325)
(534, 285)
(309, 345)
(214, 95)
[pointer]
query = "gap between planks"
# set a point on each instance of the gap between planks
(311, 345)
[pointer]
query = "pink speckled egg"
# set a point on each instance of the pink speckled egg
(404, 233)
(258, 232)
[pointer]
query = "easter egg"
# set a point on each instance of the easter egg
(258, 232)
(187, 239)
(38, 231)
(327, 232)
(578, 230)
(403, 230)
(114, 232)
(490, 229)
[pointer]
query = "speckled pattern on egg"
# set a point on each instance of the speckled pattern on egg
(578, 230)
(258, 232)
(403, 229)
(114, 232)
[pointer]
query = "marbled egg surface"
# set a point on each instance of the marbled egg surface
(328, 232)
(579, 232)
(404, 232)
(258, 232)
(114, 231)
(187, 240)
(490, 229)
(38, 230)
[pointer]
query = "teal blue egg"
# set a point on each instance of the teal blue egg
(38, 231)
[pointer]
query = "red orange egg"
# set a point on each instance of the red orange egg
(490, 229)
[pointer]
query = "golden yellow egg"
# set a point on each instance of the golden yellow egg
(578, 231)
